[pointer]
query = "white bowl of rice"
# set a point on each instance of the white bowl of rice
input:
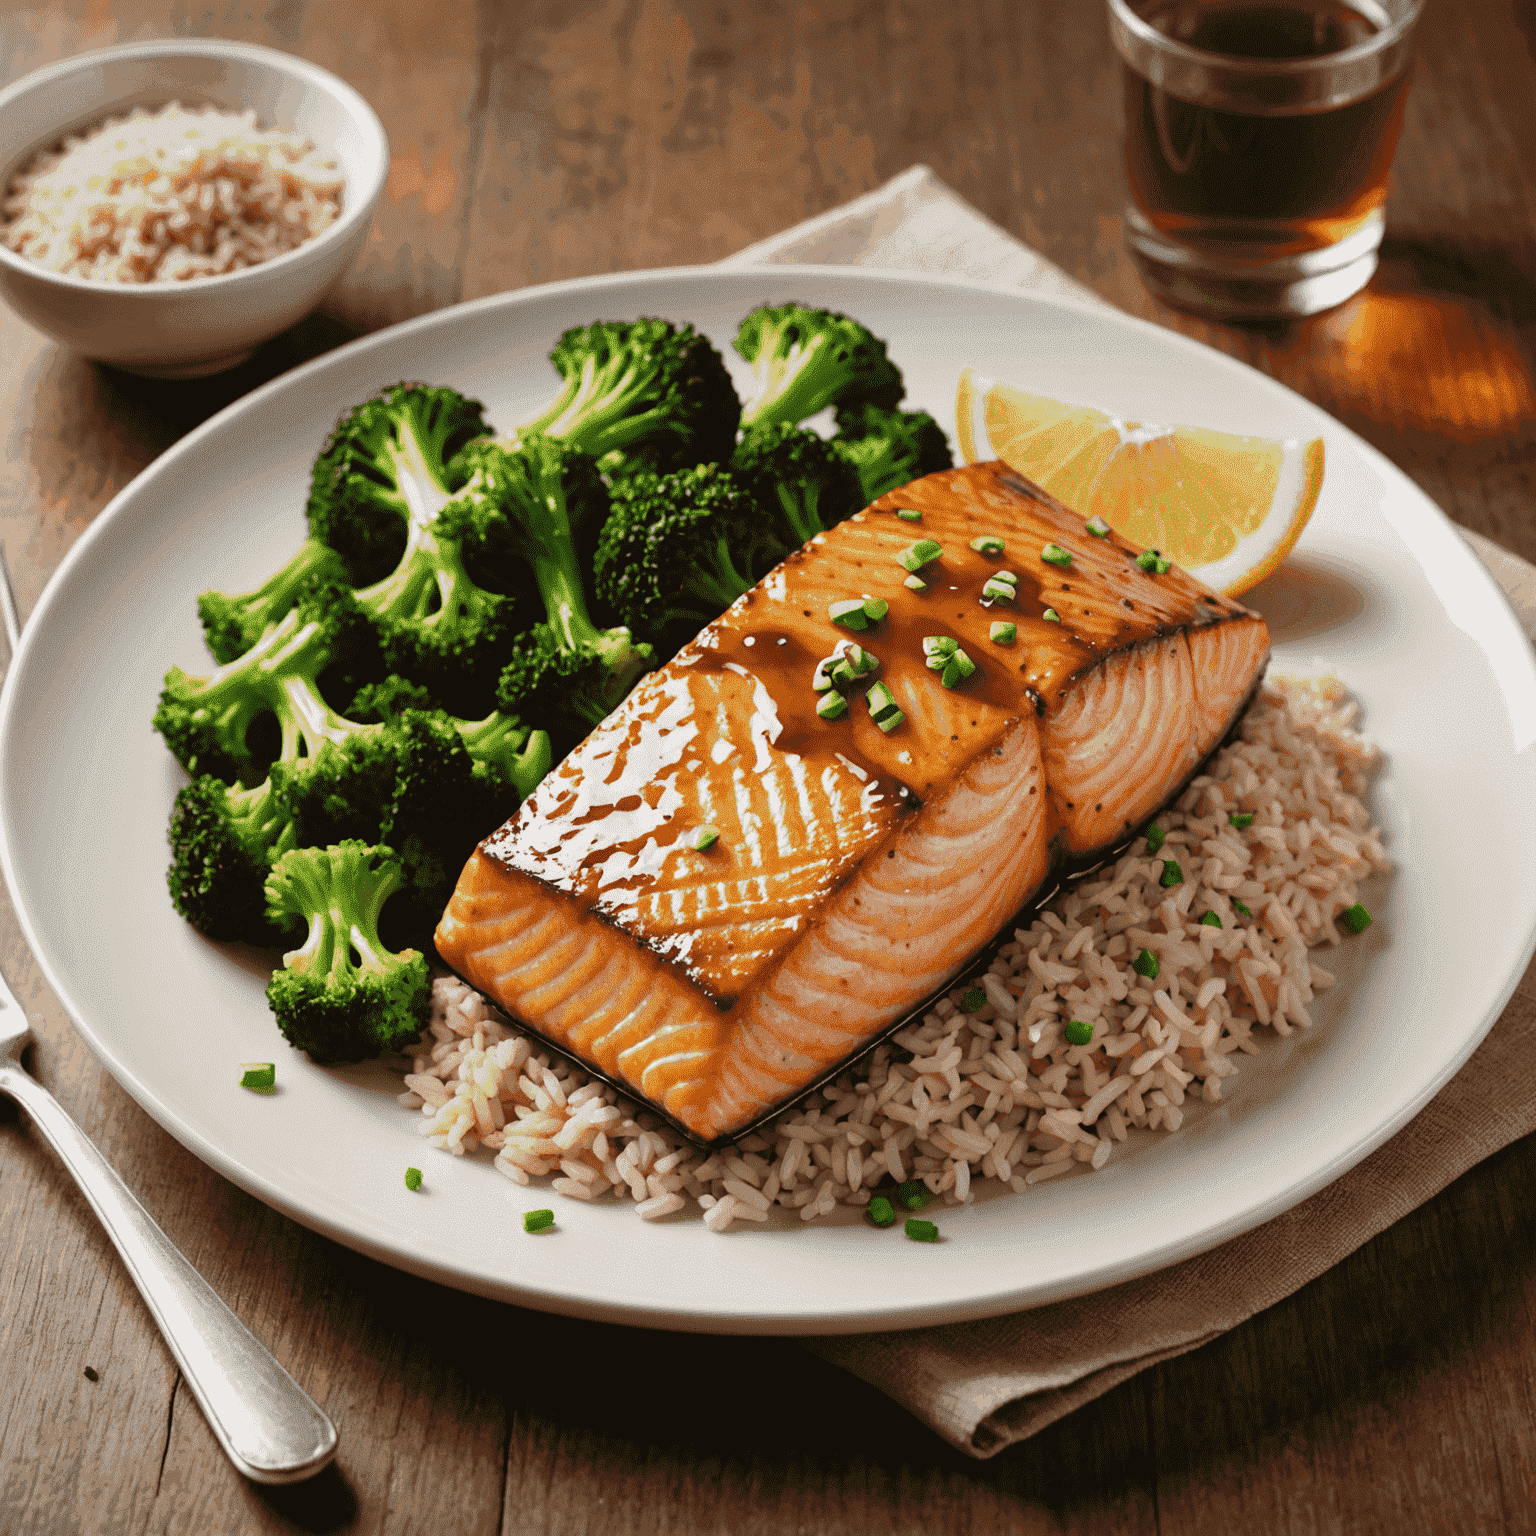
(168, 206)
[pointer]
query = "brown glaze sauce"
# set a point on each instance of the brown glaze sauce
(733, 715)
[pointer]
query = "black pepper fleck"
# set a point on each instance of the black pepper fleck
(90, 1373)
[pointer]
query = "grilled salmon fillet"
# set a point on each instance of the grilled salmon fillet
(854, 869)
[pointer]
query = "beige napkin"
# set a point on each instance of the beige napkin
(984, 1385)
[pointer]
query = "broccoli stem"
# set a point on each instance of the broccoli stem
(259, 819)
(717, 581)
(430, 565)
(554, 569)
(594, 412)
(800, 511)
(793, 386)
(502, 743)
(235, 622)
(344, 896)
(420, 480)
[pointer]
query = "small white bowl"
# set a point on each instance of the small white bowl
(203, 325)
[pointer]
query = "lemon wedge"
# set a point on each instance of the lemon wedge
(1227, 508)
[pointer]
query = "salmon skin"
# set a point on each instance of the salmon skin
(855, 871)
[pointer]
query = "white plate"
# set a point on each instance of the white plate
(1381, 584)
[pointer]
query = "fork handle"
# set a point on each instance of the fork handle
(269, 1426)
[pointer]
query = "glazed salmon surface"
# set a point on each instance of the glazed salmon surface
(854, 870)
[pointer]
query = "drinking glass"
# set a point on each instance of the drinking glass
(1258, 138)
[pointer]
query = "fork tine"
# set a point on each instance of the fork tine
(8, 605)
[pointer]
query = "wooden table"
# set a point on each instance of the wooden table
(541, 141)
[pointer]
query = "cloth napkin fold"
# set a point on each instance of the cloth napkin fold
(985, 1385)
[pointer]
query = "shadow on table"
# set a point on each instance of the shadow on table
(158, 412)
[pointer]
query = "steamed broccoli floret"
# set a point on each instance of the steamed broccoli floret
(343, 996)
(678, 551)
(215, 724)
(808, 359)
(428, 781)
(224, 837)
(234, 623)
(375, 703)
(643, 391)
(890, 448)
(384, 469)
(223, 840)
(798, 479)
(379, 488)
(535, 494)
(437, 626)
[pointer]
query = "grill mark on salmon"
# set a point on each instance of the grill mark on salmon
(855, 870)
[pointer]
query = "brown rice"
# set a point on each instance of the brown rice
(993, 1093)
(170, 194)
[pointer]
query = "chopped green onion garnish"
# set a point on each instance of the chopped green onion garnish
(914, 1194)
(1145, 964)
(1051, 616)
(706, 837)
(1011, 577)
(957, 669)
(915, 584)
(1097, 527)
(1241, 818)
(972, 999)
(1156, 837)
(819, 679)
(858, 661)
(537, 1221)
(1355, 918)
(1151, 560)
(832, 706)
(987, 544)
(258, 1074)
(1079, 1032)
(1239, 907)
(1210, 920)
(999, 591)
(937, 648)
(413, 1179)
(883, 707)
(858, 613)
(921, 1231)
(1003, 633)
(909, 514)
(1054, 554)
(1172, 874)
(880, 1211)
(915, 556)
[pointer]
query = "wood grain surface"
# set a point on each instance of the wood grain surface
(535, 141)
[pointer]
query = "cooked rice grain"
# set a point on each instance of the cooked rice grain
(997, 1096)
(170, 194)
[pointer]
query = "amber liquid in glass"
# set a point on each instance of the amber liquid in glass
(1277, 184)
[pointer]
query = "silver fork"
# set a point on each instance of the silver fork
(269, 1426)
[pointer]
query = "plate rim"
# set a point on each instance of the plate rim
(677, 1315)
